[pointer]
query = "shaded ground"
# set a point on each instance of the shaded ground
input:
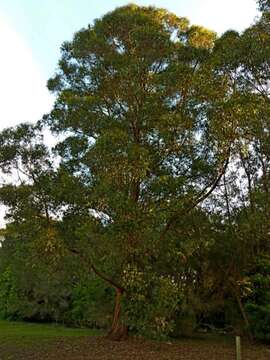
(78, 345)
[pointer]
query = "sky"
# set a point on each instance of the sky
(32, 31)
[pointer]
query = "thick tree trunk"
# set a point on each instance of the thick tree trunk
(118, 331)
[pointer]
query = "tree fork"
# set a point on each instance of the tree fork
(118, 330)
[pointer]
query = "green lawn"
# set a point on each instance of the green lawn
(23, 333)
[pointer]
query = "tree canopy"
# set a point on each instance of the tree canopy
(158, 186)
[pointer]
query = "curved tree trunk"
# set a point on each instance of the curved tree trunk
(118, 331)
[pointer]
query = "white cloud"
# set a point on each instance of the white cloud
(219, 15)
(23, 93)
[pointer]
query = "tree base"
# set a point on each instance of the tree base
(120, 333)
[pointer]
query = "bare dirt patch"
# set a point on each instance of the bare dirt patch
(98, 348)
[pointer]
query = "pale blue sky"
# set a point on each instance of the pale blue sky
(45, 24)
(31, 32)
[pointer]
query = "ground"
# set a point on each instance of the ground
(24, 341)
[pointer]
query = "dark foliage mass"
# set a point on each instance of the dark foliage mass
(155, 200)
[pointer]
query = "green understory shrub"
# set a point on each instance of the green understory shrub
(258, 305)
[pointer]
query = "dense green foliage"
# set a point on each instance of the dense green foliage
(258, 303)
(157, 192)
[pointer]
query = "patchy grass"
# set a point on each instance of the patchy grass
(26, 341)
(22, 333)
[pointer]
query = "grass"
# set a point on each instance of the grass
(23, 333)
(28, 341)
